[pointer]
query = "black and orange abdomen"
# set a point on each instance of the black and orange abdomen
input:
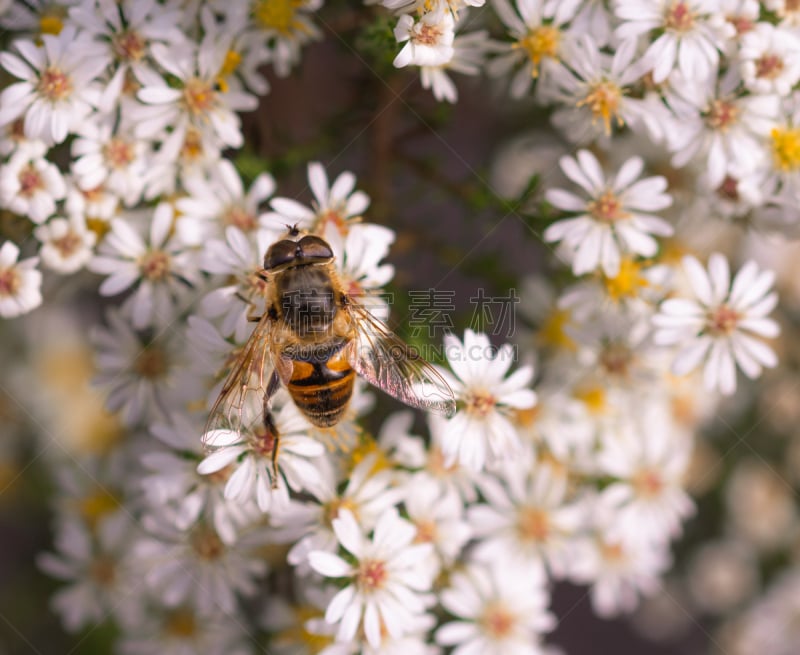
(322, 389)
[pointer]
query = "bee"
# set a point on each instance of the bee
(313, 338)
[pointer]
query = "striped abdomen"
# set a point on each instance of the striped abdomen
(322, 389)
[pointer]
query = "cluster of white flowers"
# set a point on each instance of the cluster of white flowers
(431, 537)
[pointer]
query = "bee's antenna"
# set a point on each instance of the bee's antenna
(293, 229)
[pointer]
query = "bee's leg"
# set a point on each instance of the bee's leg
(269, 424)
(250, 307)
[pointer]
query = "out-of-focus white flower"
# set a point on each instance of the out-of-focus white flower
(617, 216)
(770, 59)
(30, 185)
(219, 200)
(499, 610)
(528, 520)
(722, 324)
(721, 575)
(161, 268)
(335, 203)
(387, 578)
(56, 92)
(430, 39)
(481, 430)
(66, 243)
(717, 127)
(287, 27)
(20, 282)
(692, 34)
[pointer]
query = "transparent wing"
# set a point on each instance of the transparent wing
(386, 361)
(241, 399)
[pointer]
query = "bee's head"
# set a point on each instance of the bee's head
(305, 250)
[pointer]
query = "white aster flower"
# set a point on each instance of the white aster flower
(469, 55)
(722, 324)
(30, 185)
(528, 521)
(20, 282)
(481, 430)
(499, 611)
(160, 268)
(123, 33)
(97, 206)
(250, 451)
(693, 33)
(35, 17)
(287, 27)
(617, 216)
(218, 200)
(430, 39)
(335, 203)
(111, 158)
(769, 58)
(649, 456)
(536, 27)
(717, 126)
(387, 578)
(67, 244)
(193, 101)
(56, 92)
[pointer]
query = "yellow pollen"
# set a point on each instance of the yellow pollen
(540, 43)
(533, 524)
(603, 101)
(426, 532)
(372, 575)
(97, 505)
(129, 46)
(99, 226)
(628, 282)
(612, 551)
(594, 397)
(525, 418)
(497, 620)
(723, 320)
(298, 634)
(30, 181)
(648, 483)
(151, 363)
(54, 84)
(769, 67)
(180, 623)
(51, 24)
(192, 148)
(207, 544)
(480, 403)
(155, 266)
(722, 115)
(607, 208)
(786, 148)
(552, 332)
(198, 96)
(278, 15)
(679, 17)
(332, 509)
(10, 282)
(428, 35)
(366, 447)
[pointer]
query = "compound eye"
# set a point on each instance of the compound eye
(312, 247)
(280, 253)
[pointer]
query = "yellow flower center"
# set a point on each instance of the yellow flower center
(297, 633)
(180, 623)
(278, 15)
(552, 332)
(129, 46)
(229, 66)
(207, 544)
(616, 359)
(192, 148)
(721, 115)
(786, 148)
(480, 403)
(155, 266)
(118, 152)
(151, 363)
(539, 43)
(533, 524)
(30, 181)
(769, 67)
(52, 23)
(594, 397)
(97, 505)
(723, 320)
(68, 244)
(603, 101)
(102, 570)
(648, 483)
(99, 226)
(628, 282)
(199, 96)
